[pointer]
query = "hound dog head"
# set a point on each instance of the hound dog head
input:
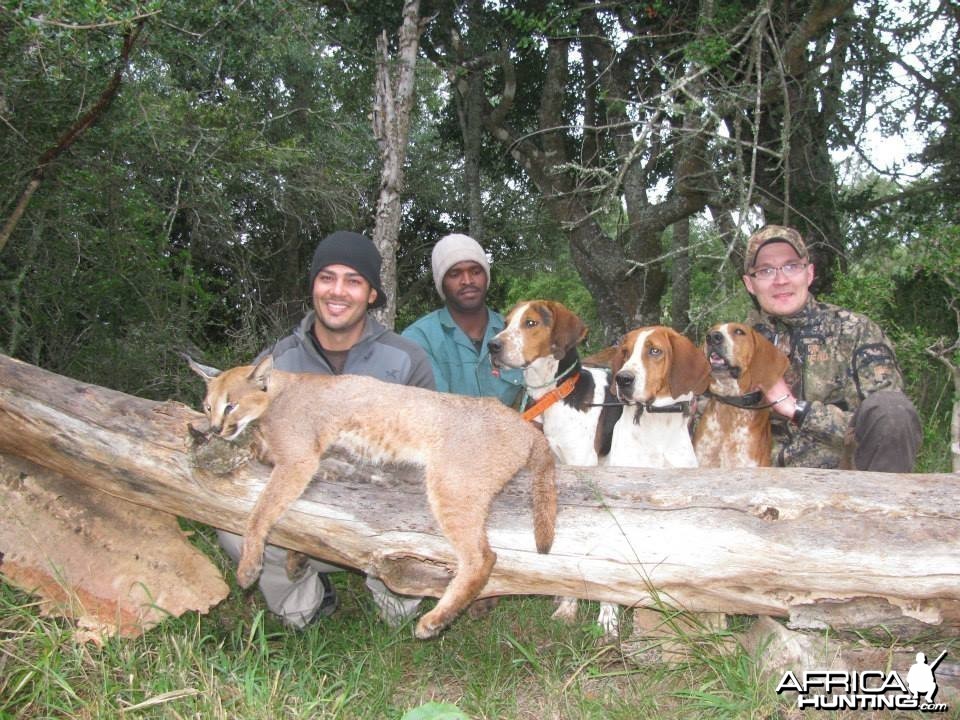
(742, 360)
(536, 329)
(658, 363)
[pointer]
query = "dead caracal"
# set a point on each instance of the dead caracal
(300, 416)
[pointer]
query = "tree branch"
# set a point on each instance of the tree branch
(72, 134)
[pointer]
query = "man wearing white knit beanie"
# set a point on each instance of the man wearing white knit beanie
(456, 336)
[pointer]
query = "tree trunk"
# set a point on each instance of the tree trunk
(945, 354)
(820, 547)
(392, 105)
(680, 291)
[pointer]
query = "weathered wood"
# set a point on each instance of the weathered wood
(806, 544)
(110, 565)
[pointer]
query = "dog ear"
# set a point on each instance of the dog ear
(690, 369)
(767, 365)
(260, 375)
(618, 356)
(602, 358)
(568, 329)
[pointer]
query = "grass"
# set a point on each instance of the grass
(240, 662)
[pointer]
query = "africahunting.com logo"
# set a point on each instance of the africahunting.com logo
(868, 689)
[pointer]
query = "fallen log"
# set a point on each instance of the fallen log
(822, 548)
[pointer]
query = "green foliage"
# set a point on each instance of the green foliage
(187, 216)
(710, 51)
(911, 293)
(717, 293)
(554, 19)
(562, 284)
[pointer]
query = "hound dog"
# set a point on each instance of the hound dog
(734, 428)
(541, 337)
(656, 372)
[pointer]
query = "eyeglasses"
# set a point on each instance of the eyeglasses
(769, 273)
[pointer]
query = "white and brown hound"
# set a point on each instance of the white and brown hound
(657, 372)
(734, 429)
(541, 337)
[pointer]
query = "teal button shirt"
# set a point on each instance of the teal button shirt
(458, 367)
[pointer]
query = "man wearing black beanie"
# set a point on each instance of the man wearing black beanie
(338, 337)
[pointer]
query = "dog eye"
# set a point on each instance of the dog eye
(530, 323)
(230, 407)
(655, 352)
(738, 331)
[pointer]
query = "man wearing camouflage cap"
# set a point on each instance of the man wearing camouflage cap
(841, 403)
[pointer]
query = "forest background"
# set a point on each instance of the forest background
(168, 166)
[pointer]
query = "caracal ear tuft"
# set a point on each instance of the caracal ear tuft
(261, 373)
(205, 371)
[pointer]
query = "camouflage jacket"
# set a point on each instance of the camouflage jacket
(837, 358)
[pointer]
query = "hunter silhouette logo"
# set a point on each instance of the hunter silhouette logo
(867, 689)
(920, 679)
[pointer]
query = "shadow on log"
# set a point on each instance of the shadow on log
(821, 548)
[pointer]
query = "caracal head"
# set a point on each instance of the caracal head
(235, 397)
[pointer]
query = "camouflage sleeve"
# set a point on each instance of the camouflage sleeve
(872, 366)
(826, 424)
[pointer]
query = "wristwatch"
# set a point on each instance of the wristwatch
(800, 413)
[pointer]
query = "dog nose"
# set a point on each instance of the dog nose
(495, 347)
(625, 380)
(715, 338)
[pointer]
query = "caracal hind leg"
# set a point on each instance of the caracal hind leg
(465, 528)
(286, 484)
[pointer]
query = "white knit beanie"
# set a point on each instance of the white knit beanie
(452, 249)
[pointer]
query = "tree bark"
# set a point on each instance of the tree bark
(945, 355)
(820, 547)
(114, 567)
(392, 106)
(680, 292)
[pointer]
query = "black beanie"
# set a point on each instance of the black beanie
(353, 250)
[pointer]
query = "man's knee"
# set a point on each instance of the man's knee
(888, 411)
(888, 433)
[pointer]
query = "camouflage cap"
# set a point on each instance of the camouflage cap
(770, 234)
